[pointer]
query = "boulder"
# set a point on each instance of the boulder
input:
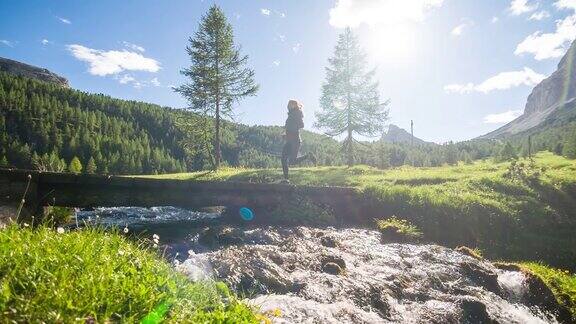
(332, 268)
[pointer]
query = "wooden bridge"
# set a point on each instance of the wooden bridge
(88, 191)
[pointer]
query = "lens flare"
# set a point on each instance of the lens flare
(246, 213)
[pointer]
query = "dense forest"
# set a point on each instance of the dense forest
(48, 127)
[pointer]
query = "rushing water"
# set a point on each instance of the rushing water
(334, 275)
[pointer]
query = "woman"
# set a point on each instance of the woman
(294, 123)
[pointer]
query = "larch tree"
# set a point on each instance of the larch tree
(218, 75)
(350, 100)
(75, 165)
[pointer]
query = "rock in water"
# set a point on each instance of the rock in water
(32, 72)
(332, 268)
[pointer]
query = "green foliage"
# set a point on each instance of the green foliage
(75, 165)
(398, 230)
(89, 274)
(56, 216)
(526, 172)
(569, 148)
(350, 101)
(91, 166)
(507, 153)
(561, 282)
(218, 73)
(42, 124)
(48, 162)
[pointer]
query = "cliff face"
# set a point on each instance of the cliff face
(547, 97)
(30, 71)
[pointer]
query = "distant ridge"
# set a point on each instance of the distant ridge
(399, 135)
(30, 71)
(553, 94)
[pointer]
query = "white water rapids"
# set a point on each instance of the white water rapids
(285, 272)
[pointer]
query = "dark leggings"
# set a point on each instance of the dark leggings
(290, 156)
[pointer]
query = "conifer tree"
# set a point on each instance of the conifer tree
(91, 167)
(350, 100)
(218, 74)
(75, 165)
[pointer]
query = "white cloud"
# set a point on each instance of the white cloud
(6, 42)
(352, 13)
(280, 37)
(502, 118)
(539, 15)
(282, 15)
(296, 48)
(550, 45)
(458, 30)
(64, 20)
(565, 4)
(125, 79)
(501, 81)
(46, 42)
(518, 7)
(134, 46)
(155, 82)
(494, 19)
(265, 12)
(276, 63)
(103, 63)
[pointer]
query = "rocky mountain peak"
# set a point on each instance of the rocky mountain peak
(30, 71)
(546, 98)
(396, 134)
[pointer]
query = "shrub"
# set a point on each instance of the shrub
(527, 173)
(398, 230)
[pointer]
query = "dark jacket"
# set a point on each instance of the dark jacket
(294, 123)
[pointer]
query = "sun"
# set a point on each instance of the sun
(396, 43)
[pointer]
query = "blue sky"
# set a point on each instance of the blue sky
(458, 68)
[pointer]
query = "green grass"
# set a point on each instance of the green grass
(396, 229)
(562, 283)
(46, 276)
(468, 204)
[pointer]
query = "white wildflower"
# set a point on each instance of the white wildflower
(126, 229)
(60, 230)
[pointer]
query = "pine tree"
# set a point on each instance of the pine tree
(350, 101)
(218, 75)
(91, 167)
(75, 165)
(3, 161)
